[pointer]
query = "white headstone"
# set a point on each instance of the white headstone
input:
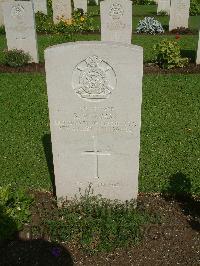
(179, 14)
(116, 20)
(62, 9)
(40, 6)
(1, 11)
(163, 5)
(19, 21)
(198, 51)
(94, 95)
(81, 4)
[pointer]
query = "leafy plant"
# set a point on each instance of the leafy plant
(97, 224)
(194, 7)
(168, 54)
(16, 58)
(14, 210)
(149, 25)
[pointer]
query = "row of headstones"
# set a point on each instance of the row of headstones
(116, 24)
(61, 8)
(94, 97)
(178, 11)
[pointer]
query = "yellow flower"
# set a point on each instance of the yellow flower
(82, 19)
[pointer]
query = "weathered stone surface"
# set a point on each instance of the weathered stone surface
(179, 14)
(198, 51)
(62, 9)
(19, 21)
(82, 4)
(94, 95)
(163, 5)
(40, 6)
(116, 20)
(1, 10)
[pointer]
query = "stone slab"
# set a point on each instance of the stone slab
(94, 96)
(62, 9)
(163, 5)
(82, 4)
(179, 14)
(1, 10)
(20, 29)
(40, 6)
(116, 20)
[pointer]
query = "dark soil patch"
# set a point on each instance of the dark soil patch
(149, 68)
(175, 241)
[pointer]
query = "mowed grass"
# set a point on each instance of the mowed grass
(170, 135)
(188, 43)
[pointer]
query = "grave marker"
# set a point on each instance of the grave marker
(94, 95)
(163, 5)
(40, 6)
(19, 21)
(116, 20)
(80, 4)
(62, 9)
(179, 14)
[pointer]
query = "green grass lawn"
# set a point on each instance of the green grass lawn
(188, 43)
(170, 136)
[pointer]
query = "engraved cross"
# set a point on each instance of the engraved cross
(96, 153)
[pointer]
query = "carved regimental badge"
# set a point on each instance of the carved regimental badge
(93, 79)
(116, 11)
(17, 11)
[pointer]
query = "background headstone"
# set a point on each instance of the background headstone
(1, 10)
(62, 9)
(116, 20)
(19, 21)
(80, 4)
(179, 14)
(198, 51)
(163, 5)
(94, 95)
(40, 6)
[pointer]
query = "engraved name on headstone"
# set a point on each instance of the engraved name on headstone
(94, 95)
(19, 21)
(62, 10)
(40, 6)
(116, 20)
(179, 14)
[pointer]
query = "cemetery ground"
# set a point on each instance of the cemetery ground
(165, 227)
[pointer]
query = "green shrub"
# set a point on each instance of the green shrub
(92, 3)
(168, 54)
(97, 224)
(194, 7)
(16, 58)
(79, 23)
(149, 25)
(14, 210)
(2, 30)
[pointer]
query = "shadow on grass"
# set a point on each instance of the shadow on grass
(17, 251)
(46, 140)
(179, 189)
(191, 54)
(34, 252)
